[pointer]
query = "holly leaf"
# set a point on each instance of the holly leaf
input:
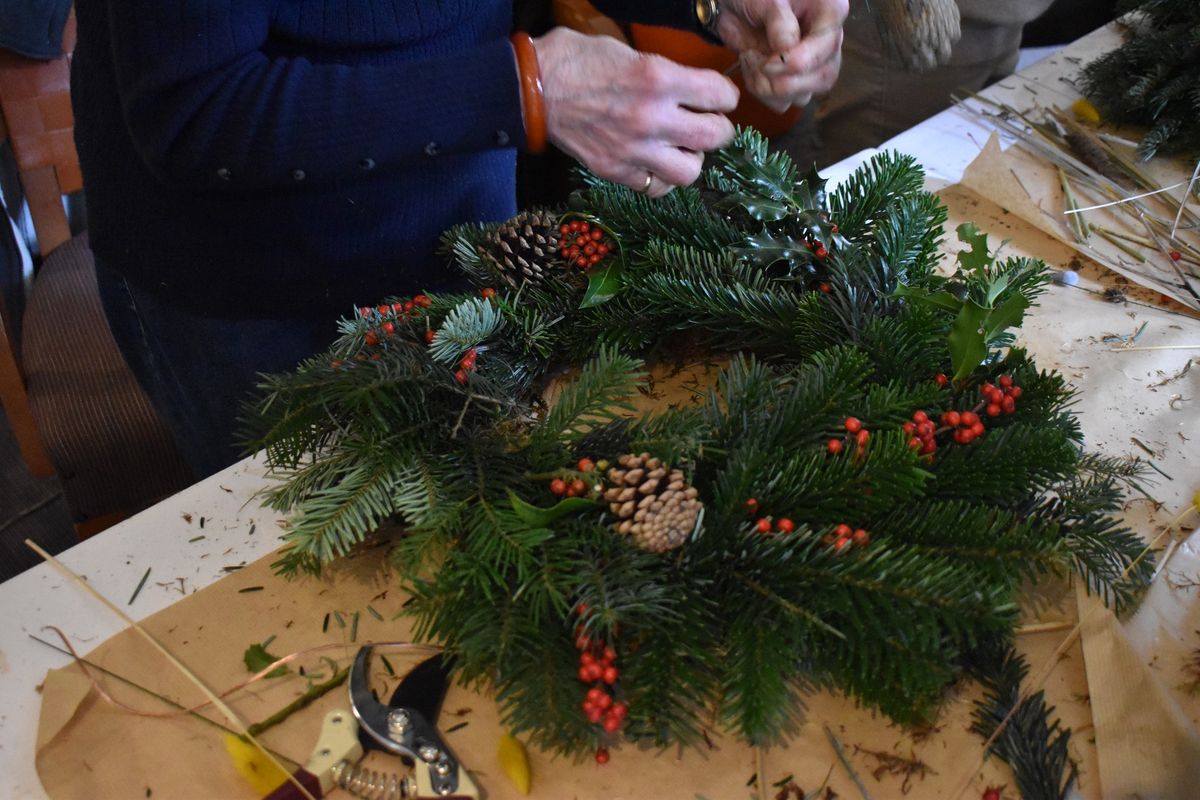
(968, 344)
(765, 248)
(763, 209)
(540, 517)
(1006, 315)
(257, 659)
(943, 300)
(604, 282)
(977, 258)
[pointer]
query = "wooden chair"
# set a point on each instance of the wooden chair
(75, 408)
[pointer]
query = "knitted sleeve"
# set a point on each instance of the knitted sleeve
(208, 108)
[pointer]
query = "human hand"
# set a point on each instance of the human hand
(789, 49)
(626, 114)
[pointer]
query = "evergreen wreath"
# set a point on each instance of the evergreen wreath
(1154, 78)
(855, 504)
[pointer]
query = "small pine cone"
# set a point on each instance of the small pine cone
(653, 503)
(524, 248)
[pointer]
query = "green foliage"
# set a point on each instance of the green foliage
(1152, 79)
(830, 307)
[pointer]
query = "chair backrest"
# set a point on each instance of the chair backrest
(35, 102)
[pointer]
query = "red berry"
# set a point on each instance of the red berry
(408, 306)
(993, 410)
(914, 443)
(925, 429)
(969, 418)
(363, 311)
(586, 465)
(429, 334)
(612, 724)
(763, 525)
(605, 701)
(940, 379)
(909, 427)
(586, 658)
(620, 710)
(595, 672)
(594, 714)
(594, 694)
(1014, 392)
(842, 531)
(987, 388)
(977, 428)
(564, 228)
(929, 446)
(602, 755)
(861, 437)
(920, 416)
(581, 608)
(389, 328)
(841, 544)
(610, 675)
(821, 251)
(488, 293)
(861, 538)
(824, 288)
(559, 486)
(952, 418)
(371, 338)
(1005, 381)
(834, 446)
(335, 364)
(579, 486)
(785, 525)
(853, 424)
(1176, 255)
(610, 655)
(571, 492)
(1009, 405)
(597, 235)
(752, 505)
(963, 436)
(585, 675)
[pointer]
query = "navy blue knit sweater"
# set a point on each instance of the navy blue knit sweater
(279, 158)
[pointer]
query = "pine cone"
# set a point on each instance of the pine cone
(921, 32)
(523, 248)
(653, 503)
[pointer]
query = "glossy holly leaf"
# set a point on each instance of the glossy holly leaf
(540, 517)
(977, 258)
(765, 248)
(604, 282)
(968, 344)
(943, 300)
(257, 659)
(1006, 315)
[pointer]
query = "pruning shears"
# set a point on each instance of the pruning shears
(405, 726)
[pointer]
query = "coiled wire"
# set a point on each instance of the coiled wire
(371, 784)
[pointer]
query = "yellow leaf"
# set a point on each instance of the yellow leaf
(1086, 112)
(1196, 500)
(252, 765)
(515, 762)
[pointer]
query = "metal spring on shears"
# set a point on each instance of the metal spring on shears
(370, 784)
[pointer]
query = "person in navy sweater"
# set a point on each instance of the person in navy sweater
(254, 168)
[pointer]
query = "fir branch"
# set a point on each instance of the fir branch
(1031, 744)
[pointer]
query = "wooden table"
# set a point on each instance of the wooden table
(188, 541)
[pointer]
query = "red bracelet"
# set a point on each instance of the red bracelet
(533, 102)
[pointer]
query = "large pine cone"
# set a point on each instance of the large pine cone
(523, 248)
(653, 503)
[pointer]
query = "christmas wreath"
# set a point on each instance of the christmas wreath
(856, 503)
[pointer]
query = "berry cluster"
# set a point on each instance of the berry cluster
(921, 430)
(575, 487)
(582, 245)
(967, 425)
(782, 525)
(386, 316)
(818, 248)
(1000, 399)
(843, 536)
(597, 667)
(465, 365)
(856, 433)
